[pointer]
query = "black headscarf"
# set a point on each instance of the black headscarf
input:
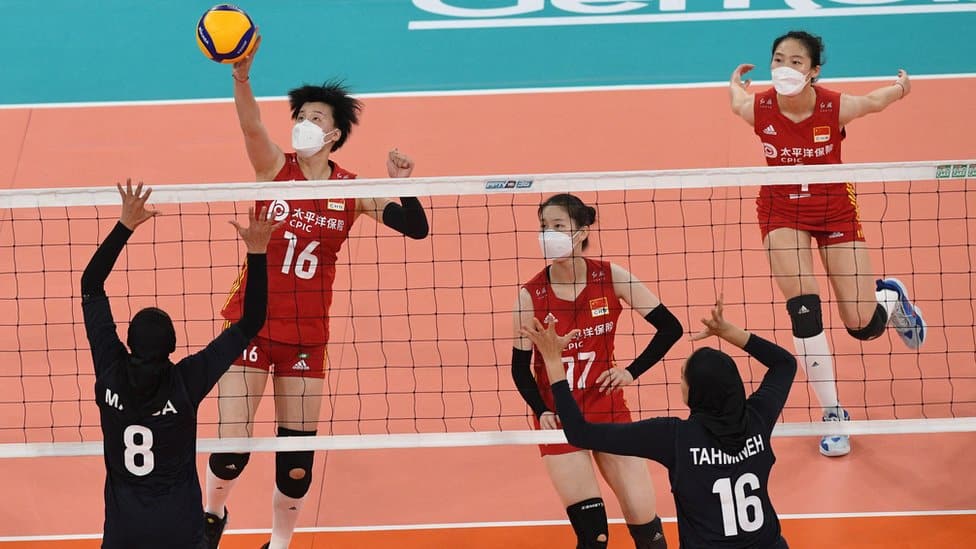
(145, 382)
(151, 334)
(717, 397)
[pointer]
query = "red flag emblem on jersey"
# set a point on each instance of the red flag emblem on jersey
(821, 134)
(599, 307)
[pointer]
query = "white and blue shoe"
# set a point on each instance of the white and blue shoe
(906, 317)
(835, 445)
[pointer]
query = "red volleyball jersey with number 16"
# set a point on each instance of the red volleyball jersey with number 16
(595, 312)
(301, 262)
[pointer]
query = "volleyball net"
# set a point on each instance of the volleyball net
(422, 331)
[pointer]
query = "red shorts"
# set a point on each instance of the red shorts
(596, 408)
(828, 211)
(284, 359)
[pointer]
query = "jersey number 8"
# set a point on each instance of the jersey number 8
(141, 449)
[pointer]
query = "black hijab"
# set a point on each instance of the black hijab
(145, 382)
(717, 397)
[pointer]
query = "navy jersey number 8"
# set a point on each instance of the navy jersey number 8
(142, 447)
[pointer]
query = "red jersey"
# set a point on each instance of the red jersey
(595, 312)
(827, 210)
(301, 262)
(815, 140)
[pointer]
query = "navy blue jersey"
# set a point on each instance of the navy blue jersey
(152, 491)
(722, 500)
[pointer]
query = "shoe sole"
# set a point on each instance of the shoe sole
(903, 299)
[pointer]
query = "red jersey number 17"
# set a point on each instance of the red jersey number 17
(570, 362)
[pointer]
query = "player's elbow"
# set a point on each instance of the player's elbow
(674, 332)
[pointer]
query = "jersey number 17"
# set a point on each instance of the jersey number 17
(588, 357)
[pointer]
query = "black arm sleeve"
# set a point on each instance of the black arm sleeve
(103, 338)
(669, 331)
(407, 217)
(202, 370)
(102, 261)
(771, 395)
(525, 381)
(255, 296)
(651, 438)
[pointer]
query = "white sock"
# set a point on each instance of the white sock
(285, 518)
(889, 300)
(218, 490)
(814, 355)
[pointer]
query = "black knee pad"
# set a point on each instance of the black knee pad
(876, 327)
(286, 462)
(589, 520)
(228, 466)
(648, 536)
(805, 315)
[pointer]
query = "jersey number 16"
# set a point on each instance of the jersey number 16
(736, 509)
(305, 263)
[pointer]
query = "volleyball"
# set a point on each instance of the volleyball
(225, 34)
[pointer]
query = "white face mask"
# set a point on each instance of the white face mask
(307, 138)
(556, 244)
(788, 81)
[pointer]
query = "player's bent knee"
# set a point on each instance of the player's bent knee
(649, 535)
(589, 520)
(228, 466)
(806, 315)
(875, 327)
(293, 470)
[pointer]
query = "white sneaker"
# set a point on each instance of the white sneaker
(839, 445)
(906, 317)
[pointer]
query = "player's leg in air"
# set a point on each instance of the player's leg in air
(240, 391)
(298, 401)
(791, 262)
(867, 306)
(630, 481)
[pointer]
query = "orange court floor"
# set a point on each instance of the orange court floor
(830, 502)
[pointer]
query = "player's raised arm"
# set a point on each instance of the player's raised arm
(652, 439)
(99, 323)
(220, 353)
(856, 106)
(739, 95)
(408, 217)
(265, 156)
(771, 396)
